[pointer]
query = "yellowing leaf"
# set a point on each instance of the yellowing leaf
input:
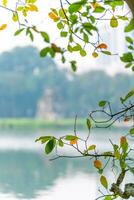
(73, 141)
(113, 22)
(62, 13)
(53, 16)
(33, 8)
(123, 141)
(95, 5)
(98, 164)
(94, 54)
(117, 154)
(15, 17)
(4, 3)
(103, 181)
(92, 147)
(102, 46)
(3, 26)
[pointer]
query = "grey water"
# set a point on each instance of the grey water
(27, 173)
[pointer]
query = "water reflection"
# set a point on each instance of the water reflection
(27, 174)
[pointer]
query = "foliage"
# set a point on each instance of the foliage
(78, 25)
(120, 155)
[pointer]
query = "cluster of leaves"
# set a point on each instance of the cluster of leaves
(119, 155)
(78, 25)
(77, 22)
(128, 58)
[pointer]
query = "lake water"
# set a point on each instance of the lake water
(26, 173)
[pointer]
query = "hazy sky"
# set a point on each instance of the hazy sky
(114, 38)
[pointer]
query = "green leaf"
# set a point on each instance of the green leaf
(103, 181)
(92, 18)
(131, 131)
(70, 137)
(130, 26)
(43, 139)
(117, 154)
(89, 124)
(63, 34)
(99, 9)
(130, 47)
(102, 103)
(128, 65)
(129, 39)
(106, 52)
(85, 37)
(108, 198)
(89, 27)
(107, 153)
(115, 146)
(45, 36)
(51, 52)
(44, 52)
(83, 52)
(63, 59)
(76, 48)
(124, 18)
(133, 68)
(69, 48)
(31, 36)
(114, 3)
(75, 7)
(18, 31)
(61, 144)
(73, 65)
(91, 147)
(50, 146)
(114, 22)
(129, 94)
(62, 13)
(127, 57)
(73, 18)
(60, 25)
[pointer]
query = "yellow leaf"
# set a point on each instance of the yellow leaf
(3, 26)
(53, 16)
(15, 17)
(4, 3)
(73, 141)
(33, 8)
(95, 5)
(98, 164)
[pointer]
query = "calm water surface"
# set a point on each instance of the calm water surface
(26, 173)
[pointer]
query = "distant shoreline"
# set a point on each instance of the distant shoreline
(32, 123)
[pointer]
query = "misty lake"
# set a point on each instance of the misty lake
(26, 173)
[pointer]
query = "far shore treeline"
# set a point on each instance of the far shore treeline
(34, 87)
